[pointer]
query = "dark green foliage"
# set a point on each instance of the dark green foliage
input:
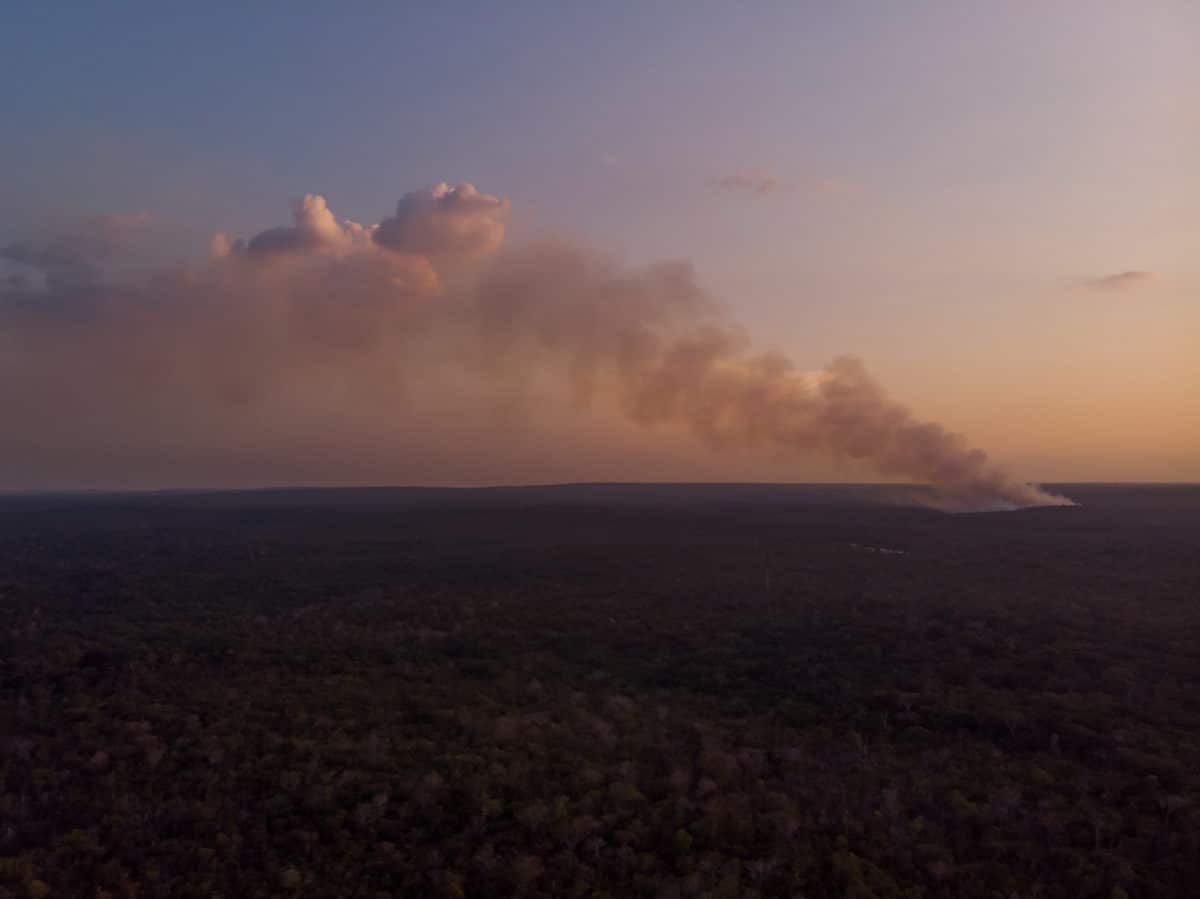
(586, 693)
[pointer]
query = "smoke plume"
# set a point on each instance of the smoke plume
(329, 326)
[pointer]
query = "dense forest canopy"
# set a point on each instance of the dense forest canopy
(594, 692)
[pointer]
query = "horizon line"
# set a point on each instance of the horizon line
(265, 488)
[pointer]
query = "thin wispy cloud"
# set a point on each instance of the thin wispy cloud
(760, 183)
(752, 182)
(1122, 281)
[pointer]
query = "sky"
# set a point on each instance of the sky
(995, 206)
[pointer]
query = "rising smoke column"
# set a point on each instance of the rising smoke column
(655, 339)
(304, 321)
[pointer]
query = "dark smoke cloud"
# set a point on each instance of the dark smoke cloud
(329, 338)
(71, 259)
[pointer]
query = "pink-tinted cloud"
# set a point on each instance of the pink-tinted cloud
(445, 223)
(315, 228)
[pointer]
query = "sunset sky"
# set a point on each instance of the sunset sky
(995, 206)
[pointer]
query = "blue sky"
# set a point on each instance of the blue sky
(910, 100)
